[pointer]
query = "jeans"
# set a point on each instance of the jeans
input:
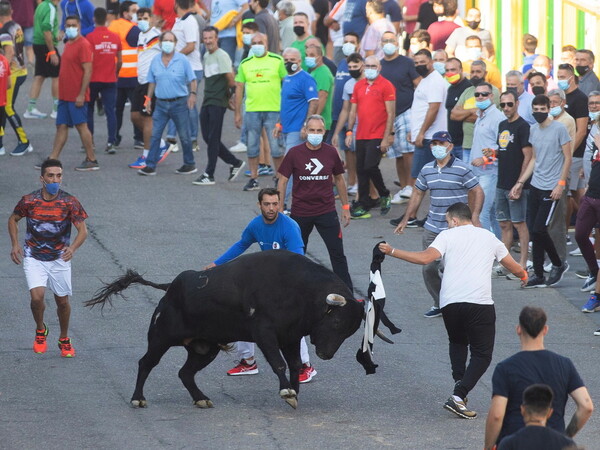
(487, 217)
(108, 92)
(457, 151)
(192, 113)
(124, 94)
(255, 122)
(211, 121)
(466, 155)
(421, 157)
(229, 45)
(177, 111)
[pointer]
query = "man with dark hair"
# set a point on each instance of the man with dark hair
(534, 364)
(465, 296)
(584, 64)
(458, 84)
(538, 83)
(302, 31)
(419, 40)
(474, 48)
(47, 252)
(267, 24)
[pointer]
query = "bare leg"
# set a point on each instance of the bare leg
(524, 241)
(507, 233)
(351, 167)
(407, 159)
(55, 87)
(399, 171)
(63, 311)
(36, 87)
(277, 163)
(86, 140)
(253, 164)
(38, 306)
(60, 139)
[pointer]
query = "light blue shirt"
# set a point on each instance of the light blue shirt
(485, 135)
(221, 7)
(171, 81)
(525, 108)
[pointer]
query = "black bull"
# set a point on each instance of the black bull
(272, 298)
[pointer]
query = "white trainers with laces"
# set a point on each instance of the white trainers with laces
(397, 199)
(34, 114)
(240, 147)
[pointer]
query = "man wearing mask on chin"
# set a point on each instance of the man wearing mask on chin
(456, 43)
(302, 31)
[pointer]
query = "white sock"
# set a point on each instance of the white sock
(457, 398)
(145, 153)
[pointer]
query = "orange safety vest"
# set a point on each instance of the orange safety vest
(129, 68)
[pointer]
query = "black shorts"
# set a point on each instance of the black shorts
(44, 68)
(139, 98)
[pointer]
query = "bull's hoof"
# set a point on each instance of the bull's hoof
(139, 403)
(204, 404)
(290, 397)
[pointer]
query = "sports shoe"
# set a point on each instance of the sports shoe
(53, 114)
(195, 146)
(499, 271)
(252, 185)
(172, 143)
(548, 267)
(592, 305)
(34, 114)
(414, 223)
(597, 332)
(406, 192)
(235, 170)
(536, 282)
(307, 373)
(39, 344)
(397, 199)
(2, 151)
(568, 240)
(385, 204)
(353, 190)
(576, 252)
(434, 311)
(556, 274)
(66, 348)
(110, 149)
(240, 147)
(365, 215)
(186, 169)
(165, 149)
(358, 210)
(243, 368)
(589, 284)
(21, 149)
(139, 163)
(583, 274)
(88, 166)
(138, 145)
(204, 180)
(147, 171)
(459, 407)
(265, 170)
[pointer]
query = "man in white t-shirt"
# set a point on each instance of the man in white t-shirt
(468, 253)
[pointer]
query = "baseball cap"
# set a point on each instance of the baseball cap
(442, 136)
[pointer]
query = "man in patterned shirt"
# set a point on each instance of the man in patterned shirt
(47, 252)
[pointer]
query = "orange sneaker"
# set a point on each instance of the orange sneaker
(66, 349)
(39, 344)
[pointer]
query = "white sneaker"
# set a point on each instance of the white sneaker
(35, 114)
(240, 147)
(548, 267)
(173, 148)
(406, 192)
(575, 252)
(2, 151)
(53, 115)
(397, 199)
(353, 190)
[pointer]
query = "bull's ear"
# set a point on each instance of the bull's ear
(335, 300)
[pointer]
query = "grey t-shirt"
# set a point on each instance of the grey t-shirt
(547, 143)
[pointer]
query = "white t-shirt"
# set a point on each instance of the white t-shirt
(337, 14)
(431, 89)
(305, 7)
(468, 253)
(148, 48)
(186, 30)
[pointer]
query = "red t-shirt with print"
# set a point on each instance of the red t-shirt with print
(70, 76)
(105, 45)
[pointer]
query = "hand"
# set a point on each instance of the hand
(515, 192)
(409, 137)
(16, 254)
(401, 226)
(487, 152)
(384, 146)
(67, 254)
(149, 108)
(209, 266)
(477, 162)
(557, 193)
(238, 120)
(79, 101)
(386, 248)
(524, 280)
(335, 140)
(54, 60)
(345, 217)
(61, 35)
(581, 174)
(419, 140)
(191, 101)
(276, 132)
(348, 141)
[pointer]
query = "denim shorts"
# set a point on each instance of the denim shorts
(508, 209)
(255, 121)
(69, 114)
(401, 129)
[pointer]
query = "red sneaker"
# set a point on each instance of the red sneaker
(243, 368)
(307, 373)
(39, 344)
(66, 349)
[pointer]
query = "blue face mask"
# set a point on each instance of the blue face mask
(439, 151)
(167, 46)
(247, 39)
(371, 74)
(315, 139)
(143, 25)
(390, 49)
(52, 188)
(484, 104)
(555, 111)
(71, 32)
(594, 115)
(563, 84)
(310, 62)
(348, 48)
(440, 67)
(258, 50)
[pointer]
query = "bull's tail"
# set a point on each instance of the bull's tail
(106, 293)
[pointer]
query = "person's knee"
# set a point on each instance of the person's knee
(61, 301)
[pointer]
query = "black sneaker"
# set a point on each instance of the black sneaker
(459, 408)
(204, 180)
(252, 185)
(536, 282)
(186, 169)
(235, 170)
(110, 149)
(583, 274)
(556, 274)
(413, 222)
(148, 171)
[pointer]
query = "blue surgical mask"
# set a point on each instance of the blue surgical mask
(555, 111)
(134, 17)
(143, 25)
(439, 151)
(52, 188)
(390, 49)
(594, 115)
(563, 84)
(167, 46)
(247, 39)
(310, 62)
(71, 32)
(315, 139)
(371, 74)
(258, 50)
(485, 104)
(348, 48)
(473, 53)
(440, 67)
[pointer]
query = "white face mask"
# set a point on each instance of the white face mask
(541, 69)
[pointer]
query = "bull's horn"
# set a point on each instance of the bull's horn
(383, 337)
(336, 300)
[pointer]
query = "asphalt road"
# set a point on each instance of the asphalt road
(162, 225)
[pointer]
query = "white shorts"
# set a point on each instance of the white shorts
(55, 275)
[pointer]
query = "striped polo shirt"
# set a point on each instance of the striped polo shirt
(448, 185)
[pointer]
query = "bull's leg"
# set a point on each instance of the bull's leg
(196, 362)
(291, 353)
(156, 350)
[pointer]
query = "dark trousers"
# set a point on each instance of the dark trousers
(124, 94)
(328, 226)
(211, 123)
(108, 91)
(470, 327)
(587, 218)
(368, 156)
(540, 208)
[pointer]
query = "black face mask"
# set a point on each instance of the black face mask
(291, 67)
(538, 90)
(540, 116)
(422, 70)
(299, 30)
(582, 70)
(476, 81)
(355, 73)
(473, 25)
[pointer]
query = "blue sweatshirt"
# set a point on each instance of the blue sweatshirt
(284, 234)
(82, 9)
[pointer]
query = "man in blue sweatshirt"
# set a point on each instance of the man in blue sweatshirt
(82, 9)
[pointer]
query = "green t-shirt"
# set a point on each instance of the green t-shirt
(467, 101)
(262, 77)
(216, 66)
(302, 49)
(45, 19)
(324, 79)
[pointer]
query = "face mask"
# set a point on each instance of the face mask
(538, 90)
(582, 70)
(258, 50)
(438, 151)
(555, 111)
(144, 25)
(348, 48)
(371, 74)
(485, 104)
(52, 188)
(355, 73)
(540, 116)
(473, 25)
(541, 69)
(71, 32)
(440, 67)
(310, 62)
(476, 81)
(167, 46)
(563, 84)
(247, 39)
(299, 30)
(594, 115)
(414, 48)
(314, 139)
(134, 17)
(422, 70)
(291, 67)
(453, 79)
(390, 49)
(473, 53)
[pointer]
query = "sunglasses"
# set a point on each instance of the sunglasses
(481, 94)
(509, 104)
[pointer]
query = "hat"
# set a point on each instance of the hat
(443, 136)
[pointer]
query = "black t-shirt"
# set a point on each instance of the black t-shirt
(593, 189)
(536, 438)
(515, 374)
(426, 15)
(455, 127)
(401, 72)
(512, 137)
(577, 107)
(321, 7)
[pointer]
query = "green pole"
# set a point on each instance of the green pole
(550, 22)
(499, 34)
(525, 10)
(580, 29)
